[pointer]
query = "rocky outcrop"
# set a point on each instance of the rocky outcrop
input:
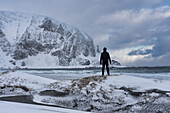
(114, 62)
(32, 35)
(53, 93)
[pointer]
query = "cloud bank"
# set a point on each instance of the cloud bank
(143, 27)
(136, 32)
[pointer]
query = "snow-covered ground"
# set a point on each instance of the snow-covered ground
(115, 93)
(34, 83)
(4, 61)
(12, 107)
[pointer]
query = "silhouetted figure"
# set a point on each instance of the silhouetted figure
(104, 58)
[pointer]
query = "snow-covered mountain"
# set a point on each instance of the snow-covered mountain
(39, 41)
(5, 61)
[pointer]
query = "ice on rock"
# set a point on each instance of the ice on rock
(25, 36)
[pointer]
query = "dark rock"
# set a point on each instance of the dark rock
(135, 93)
(4, 43)
(86, 52)
(98, 49)
(22, 87)
(48, 25)
(84, 62)
(53, 93)
(49, 46)
(60, 30)
(12, 62)
(27, 48)
(114, 62)
(23, 64)
(1, 33)
(20, 98)
(64, 61)
(157, 91)
(68, 34)
(5, 72)
(18, 55)
(131, 91)
(57, 53)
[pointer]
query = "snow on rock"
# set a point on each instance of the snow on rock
(12, 107)
(24, 81)
(26, 37)
(5, 61)
(115, 93)
(109, 93)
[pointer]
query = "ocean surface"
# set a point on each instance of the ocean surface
(161, 73)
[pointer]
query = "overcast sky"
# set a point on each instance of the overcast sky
(136, 32)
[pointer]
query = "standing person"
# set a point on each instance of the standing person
(104, 58)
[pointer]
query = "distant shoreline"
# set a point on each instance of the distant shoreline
(84, 67)
(61, 68)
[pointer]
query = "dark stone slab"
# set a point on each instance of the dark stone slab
(19, 98)
(53, 93)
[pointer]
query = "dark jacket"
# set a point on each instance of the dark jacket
(105, 57)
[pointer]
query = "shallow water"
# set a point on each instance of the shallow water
(162, 73)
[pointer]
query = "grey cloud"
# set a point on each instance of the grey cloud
(144, 32)
(162, 46)
(163, 61)
(140, 52)
(153, 30)
(122, 33)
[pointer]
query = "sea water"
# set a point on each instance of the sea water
(161, 73)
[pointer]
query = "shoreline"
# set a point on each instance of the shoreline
(84, 67)
(27, 99)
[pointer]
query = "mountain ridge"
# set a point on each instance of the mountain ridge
(31, 40)
(23, 36)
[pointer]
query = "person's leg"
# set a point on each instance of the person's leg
(103, 66)
(107, 67)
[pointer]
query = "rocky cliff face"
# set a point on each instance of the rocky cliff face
(25, 37)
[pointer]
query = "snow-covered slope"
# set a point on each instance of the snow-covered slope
(7, 107)
(5, 60)
(103, 94)
(36, 41)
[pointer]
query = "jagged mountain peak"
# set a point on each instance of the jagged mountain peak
(25, 36)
